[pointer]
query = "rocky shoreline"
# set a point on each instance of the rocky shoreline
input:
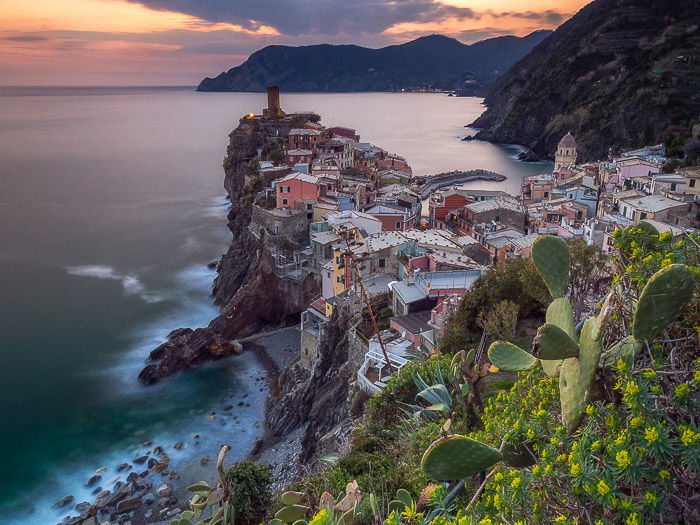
(150, 487)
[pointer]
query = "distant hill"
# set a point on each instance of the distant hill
(618, 73)
(428, 62)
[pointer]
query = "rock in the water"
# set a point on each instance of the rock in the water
(178, 445)
(128, 504)
(164, 490)
(141, 460)
(65, 500)
(93, 480)
(148, 499)
(123, 466)
(183, 349)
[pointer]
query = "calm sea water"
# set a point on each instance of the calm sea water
(111, 206)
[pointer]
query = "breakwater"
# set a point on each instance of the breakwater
(425, 185)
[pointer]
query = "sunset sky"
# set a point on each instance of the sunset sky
(178, 42)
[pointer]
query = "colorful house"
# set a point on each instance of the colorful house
(297, 191)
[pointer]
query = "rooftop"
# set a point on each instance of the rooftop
(298, 175)
(525, 241)
(379, 241)
(430, 238)
(653, 203)
(494, 204)
(302, 131)
(413, 323)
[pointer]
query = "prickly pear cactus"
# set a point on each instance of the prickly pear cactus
(456, 457)
(559, 313)
(662, 299)
(572, 394)
(552, 258)
(507, 356)
(554, 344)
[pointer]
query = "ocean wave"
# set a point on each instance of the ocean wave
(130, 282)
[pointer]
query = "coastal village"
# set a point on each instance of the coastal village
(400, 258)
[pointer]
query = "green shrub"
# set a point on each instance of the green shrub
(249, 486)
(383, 408)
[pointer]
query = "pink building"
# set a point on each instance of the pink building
(634, 167)
(297, 191)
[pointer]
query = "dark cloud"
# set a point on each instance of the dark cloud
(24, 38)
(327, 17)
(550, 16)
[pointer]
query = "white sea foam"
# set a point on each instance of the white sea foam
(130, 282)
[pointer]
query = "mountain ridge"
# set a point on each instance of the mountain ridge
(432, 61)
(619, 73)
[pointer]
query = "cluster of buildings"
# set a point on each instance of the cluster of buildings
(344, 213)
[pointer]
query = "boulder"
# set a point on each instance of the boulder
(65, 500)
(184, 349)
(123, 466)
(164, 490)
(128, 504)
(93, 480)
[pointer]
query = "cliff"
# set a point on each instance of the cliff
(251, 296)
(618, 73)
(434, 61)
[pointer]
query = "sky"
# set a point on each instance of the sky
(178, 42)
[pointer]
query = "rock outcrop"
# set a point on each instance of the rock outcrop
(247, 290)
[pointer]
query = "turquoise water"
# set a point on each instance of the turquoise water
(112, 205)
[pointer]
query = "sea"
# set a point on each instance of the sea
(111, 206)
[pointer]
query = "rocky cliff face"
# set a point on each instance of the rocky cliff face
(321, 400)
(619, 73)
(250, 295)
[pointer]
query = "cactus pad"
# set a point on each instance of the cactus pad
(507, 356)
(456, 457)
(559, 313)
(625, 349)
(553, 343)
(590, 348)
(291, 513)
(662, 299)
(292, 498)
(648, 227)
(551, 257)
(571, 393)
(405, 496)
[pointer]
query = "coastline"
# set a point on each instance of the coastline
(155, 497)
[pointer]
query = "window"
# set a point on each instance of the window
(284, 189)
(546, 194)
(673, 186)
(309, 206)
(692, 183)
(382, 263)
(340, 279)
(285, 202)
(398, 225)
(497, 219)
(642, 216)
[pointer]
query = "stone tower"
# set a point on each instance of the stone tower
(273, 109)
(566, 152)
